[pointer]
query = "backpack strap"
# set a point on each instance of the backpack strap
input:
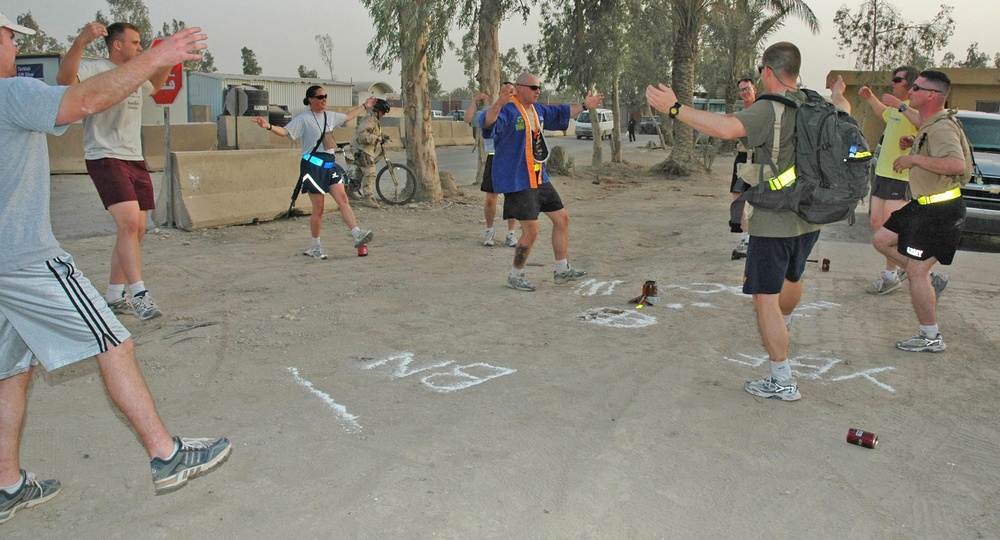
(780, 103)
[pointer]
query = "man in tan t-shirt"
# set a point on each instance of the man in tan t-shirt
(928, 229)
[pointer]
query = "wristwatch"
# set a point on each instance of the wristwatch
(903, 107)
(676, 108)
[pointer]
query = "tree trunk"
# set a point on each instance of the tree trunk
(420, 152)
(490, 13)
(616, 134)
(688, 18)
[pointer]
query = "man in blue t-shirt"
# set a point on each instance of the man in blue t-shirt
(515, 123)
(50, 314)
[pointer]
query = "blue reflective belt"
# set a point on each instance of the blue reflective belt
(318, 161)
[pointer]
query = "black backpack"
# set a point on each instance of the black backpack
(832, 162)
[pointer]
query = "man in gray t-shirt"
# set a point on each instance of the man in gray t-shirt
(780, 241)
(50, 314)
(113, 149)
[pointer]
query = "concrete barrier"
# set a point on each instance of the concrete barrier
(253, 137)
(66, 151)
(217, 189)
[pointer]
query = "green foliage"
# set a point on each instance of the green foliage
(880, 39)
(250, 66)
(205, 65)
(430, 20)
(134, 12)
(581, 44)
(307, 73)
(38, 43)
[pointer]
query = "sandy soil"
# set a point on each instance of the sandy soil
(409, 394)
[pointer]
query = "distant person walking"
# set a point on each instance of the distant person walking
(631, 129)
(490, 202)
(313, 128)
(112, 146)
(515, 122)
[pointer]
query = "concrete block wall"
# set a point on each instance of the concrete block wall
(66, 151)
(217, 189)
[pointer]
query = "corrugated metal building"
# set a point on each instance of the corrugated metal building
(208, 89)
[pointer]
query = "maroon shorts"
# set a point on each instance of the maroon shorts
(118, 180)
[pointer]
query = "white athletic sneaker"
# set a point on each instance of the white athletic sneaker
(511, 239)
(488, 239)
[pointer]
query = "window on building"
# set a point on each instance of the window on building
(988, 106)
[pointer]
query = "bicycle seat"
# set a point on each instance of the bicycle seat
(343, 144)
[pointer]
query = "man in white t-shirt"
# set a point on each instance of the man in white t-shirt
(113, 151)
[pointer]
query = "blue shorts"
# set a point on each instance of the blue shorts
(51, 314)
(770, 261)
(526, 205)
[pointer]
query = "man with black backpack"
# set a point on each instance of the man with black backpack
(928, 229)
(780, 240)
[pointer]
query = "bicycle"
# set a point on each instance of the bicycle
(395, 183)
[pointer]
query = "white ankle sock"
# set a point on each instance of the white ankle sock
(12, 489)
(114, 292)
(562, 265)
(136, 288)
(929, 331)
(781, 371)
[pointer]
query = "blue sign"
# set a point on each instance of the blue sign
(35, 71)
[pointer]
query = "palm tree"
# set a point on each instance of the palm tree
(690, 17)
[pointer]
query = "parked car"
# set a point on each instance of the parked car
(648, 125)
(982, 194)
(585, 129)
(437, 115)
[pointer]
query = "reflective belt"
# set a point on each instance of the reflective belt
(783, 179)
(318, 161)
(941, 197)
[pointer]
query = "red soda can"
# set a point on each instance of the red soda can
(861, 437)
(826, 265)
(363, 251)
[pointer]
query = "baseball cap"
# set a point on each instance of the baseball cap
(16, 28)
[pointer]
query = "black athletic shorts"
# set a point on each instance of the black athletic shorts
(770, 261)
(737, 185)
(890, 189)
(526, 205)
(929, 230)
(487, 184)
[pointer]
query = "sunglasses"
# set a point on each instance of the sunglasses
(917, 88)
(320, 96)
(898, 80)
(534, 87)
(747, 89)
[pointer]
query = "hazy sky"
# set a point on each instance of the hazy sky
(281, 34)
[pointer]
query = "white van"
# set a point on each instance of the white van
(585, 129)
(437, 115)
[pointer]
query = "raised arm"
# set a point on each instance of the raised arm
(69, 66)
(471, 111)
(102, 91)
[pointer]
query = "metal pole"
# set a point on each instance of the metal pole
(167, 169)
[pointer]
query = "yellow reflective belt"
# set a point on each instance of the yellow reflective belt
(782, 179)
(860, 155)
(941, 197)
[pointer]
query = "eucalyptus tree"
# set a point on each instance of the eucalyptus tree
(133, 12)
(581, 49)
(481, 49)
(38, 43)
(413, 33)
(879, 38)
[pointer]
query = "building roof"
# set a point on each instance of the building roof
(243, 76)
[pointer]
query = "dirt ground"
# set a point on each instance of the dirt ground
(410, 394)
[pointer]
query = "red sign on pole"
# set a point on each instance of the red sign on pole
(168, 93)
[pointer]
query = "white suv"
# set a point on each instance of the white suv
(585, 129)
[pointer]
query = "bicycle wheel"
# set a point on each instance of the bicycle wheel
(396, 184)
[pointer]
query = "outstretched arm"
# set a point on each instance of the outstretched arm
(102, 91)
(662, 98)
(470, 112)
